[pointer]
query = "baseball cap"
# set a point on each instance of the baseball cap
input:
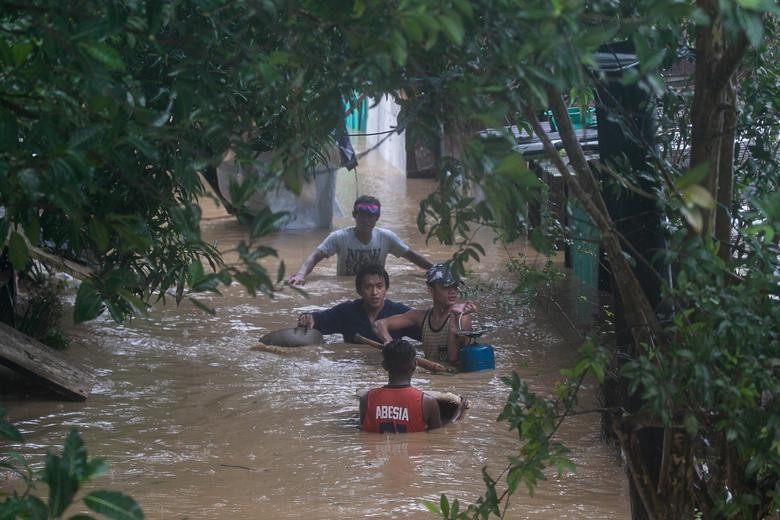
(441, 273)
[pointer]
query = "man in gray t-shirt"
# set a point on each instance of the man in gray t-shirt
(360, 244)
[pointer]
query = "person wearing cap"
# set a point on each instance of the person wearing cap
(440, 323)
(398, 407)
(358, 245)
(358, 316)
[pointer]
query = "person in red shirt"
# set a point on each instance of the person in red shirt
(398, 407)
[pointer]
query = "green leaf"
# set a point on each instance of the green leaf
(145, 148)
(512, 163)
(137, 303)
(202, 306)
(165, 116)
(693, 176)
(94, 467)
(698, 196)
(20, 51)
(541, 242)
(36, 509)
(74, 453)
(464, 7)
(412, 28)
(99, 234)
(453, 28)
(691, 424)
(444, 504)
(63, 485)
(104, 54)
(358, 8)
(455, 509)
(752, 25)
(513, 479)
(9, 432)
(17, 251)
(32, 229)
(89, 304)
(247, 280)
(432, 506)
(83, 137)
(693, 217)
(398, 48)
(114, 504)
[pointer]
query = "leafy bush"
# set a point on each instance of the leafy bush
(64, 475)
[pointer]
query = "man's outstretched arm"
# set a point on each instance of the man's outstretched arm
(306, 267)
(417, 259)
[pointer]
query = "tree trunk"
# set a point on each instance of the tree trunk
(712, 133)
(640, 314)
(726, 171)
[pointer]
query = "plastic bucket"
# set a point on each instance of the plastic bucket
(478, 356)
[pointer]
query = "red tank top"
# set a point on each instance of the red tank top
(394, 410)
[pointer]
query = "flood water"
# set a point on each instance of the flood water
(193, 424)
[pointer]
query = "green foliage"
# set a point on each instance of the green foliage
(64, 476)
(719, 377)
(43, 311)
(681, 385)
(108, 111)
(536, 420)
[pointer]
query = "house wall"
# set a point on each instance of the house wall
(383, 116)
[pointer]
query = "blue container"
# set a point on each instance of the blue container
(477, 356)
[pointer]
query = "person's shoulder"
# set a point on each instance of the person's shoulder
(334, 241)
(392, 239)
(384, 231)
(347, 305)
(371, 391)
(426, 396)
(340, 232)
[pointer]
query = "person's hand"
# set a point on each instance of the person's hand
(380, 329)
(296, 279)
(467, 307)
(306, 320)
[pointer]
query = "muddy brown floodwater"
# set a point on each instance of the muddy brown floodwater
(193, 424)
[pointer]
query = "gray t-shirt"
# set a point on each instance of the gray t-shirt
(353, 254)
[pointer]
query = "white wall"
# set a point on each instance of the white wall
(383, 116)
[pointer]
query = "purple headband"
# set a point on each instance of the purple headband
(367, 207)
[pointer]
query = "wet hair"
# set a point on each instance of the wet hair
(397, 355)
(369, 269)
(365, 199)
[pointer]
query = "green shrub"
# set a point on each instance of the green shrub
(64, 475)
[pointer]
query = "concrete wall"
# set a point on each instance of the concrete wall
(383, 116)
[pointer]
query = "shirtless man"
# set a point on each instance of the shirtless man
(358, 245)
(438, 324)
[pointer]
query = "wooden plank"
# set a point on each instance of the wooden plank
(272, 349)
(427, 364)
(28, 356)
(75, 269)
